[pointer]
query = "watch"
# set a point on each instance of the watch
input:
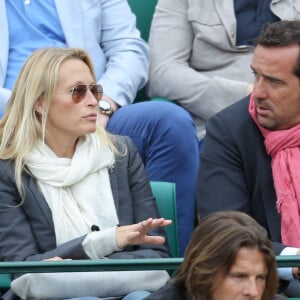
(105, 107)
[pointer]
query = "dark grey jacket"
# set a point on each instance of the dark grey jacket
(27, 231)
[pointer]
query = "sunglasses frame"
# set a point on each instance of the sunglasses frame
(97, 93)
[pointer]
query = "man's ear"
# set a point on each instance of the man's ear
(39, 106)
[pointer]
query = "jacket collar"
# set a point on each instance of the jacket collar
(268, 195)
(114, 187)
(70, 14)
(225, 10)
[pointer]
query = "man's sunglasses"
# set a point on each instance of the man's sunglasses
(79, 91)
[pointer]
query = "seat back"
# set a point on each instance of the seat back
(4, 281)
(143, 10)
(165, 194)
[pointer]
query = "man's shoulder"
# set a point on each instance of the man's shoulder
(236, 124)
(169, 291)
(237, 110)
(279, 297)
(234, 117)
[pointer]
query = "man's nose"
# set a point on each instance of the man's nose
(259, 89)
(251, 288)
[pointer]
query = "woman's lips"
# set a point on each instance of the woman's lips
(91, 117)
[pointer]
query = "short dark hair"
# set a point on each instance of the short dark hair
(281, 34)
(214, 246)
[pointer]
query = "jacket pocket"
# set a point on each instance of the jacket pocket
(203, 17)
(210, 36)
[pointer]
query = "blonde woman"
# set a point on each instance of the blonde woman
(68, 190)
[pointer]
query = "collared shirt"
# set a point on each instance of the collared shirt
(31, 26)
(251, 15)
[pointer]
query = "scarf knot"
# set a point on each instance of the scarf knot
(77, 190)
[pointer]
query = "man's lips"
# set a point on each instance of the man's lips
(262, 109)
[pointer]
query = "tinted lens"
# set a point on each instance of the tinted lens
(97, 91)
(78, 92)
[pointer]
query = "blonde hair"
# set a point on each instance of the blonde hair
(21, 127)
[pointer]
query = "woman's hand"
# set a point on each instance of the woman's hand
(136, 234)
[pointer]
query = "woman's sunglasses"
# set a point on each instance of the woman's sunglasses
(79, 91)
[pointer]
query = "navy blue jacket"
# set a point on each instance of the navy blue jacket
(235, 170)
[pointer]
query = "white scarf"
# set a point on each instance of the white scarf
(77, 190)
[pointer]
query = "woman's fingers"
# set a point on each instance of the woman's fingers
(136, 234)
(151, 223)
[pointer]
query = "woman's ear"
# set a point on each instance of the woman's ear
(39, 107)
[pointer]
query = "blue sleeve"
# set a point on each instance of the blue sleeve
(125, 51)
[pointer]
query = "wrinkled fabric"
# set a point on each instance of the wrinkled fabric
(283, 147)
